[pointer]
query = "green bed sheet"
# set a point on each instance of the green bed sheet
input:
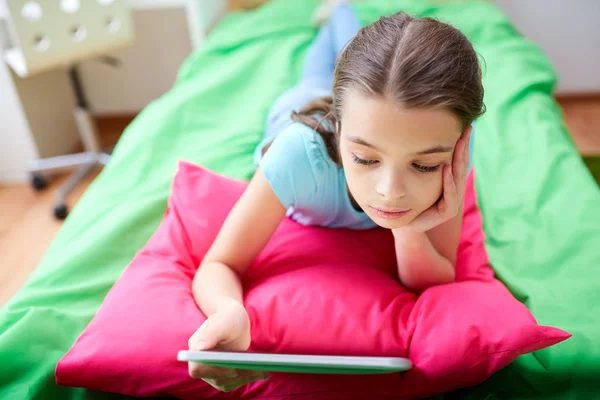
(540, 205)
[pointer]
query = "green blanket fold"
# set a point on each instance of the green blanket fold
(540, 205)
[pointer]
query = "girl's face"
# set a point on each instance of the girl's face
(393, 156)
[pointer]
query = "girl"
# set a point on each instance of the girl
(388, 149)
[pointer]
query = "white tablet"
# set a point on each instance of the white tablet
(298, 363)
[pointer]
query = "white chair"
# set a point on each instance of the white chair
(60, 33)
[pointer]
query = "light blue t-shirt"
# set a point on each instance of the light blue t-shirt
(308, 183)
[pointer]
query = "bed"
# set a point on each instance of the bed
(539, 203)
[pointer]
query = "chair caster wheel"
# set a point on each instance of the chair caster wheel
(60, 211)
(38, 182)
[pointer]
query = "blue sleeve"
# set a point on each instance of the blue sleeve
(289, 166)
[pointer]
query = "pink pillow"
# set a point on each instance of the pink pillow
(342, 288)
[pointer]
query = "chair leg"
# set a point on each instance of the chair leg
(60, 210)
(85, 161)
(103, 158)
(59, 163)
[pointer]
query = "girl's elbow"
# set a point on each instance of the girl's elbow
(418, 281)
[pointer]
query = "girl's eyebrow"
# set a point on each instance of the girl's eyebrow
(431, 150)
(360, 141)
(436, 149)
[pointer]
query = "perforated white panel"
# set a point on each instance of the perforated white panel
(50, 33)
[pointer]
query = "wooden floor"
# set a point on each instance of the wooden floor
(28, 229)
(582, 116)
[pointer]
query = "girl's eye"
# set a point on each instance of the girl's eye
(424, 168)
(363, 161)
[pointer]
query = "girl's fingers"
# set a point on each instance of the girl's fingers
(467, 143)
(244, 378)
(460, 163)
(450, 197)
(200, 371)
(466, 154)
(458, 158)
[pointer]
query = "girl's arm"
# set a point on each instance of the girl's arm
(426, 248)
(428, 258)
(245, 232)
(445, 237)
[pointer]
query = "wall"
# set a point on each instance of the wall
(16, 150)
(569, 33)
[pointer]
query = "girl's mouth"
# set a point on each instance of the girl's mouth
(389, 213)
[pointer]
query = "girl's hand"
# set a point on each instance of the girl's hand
(225, 330)
(454, 179)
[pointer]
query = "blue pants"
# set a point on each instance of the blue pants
(316, 80)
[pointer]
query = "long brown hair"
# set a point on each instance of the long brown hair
(418, 62)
